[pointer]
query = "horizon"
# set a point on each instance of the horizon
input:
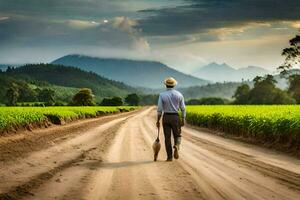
(142, 60)
(183, 34)
(268, 71)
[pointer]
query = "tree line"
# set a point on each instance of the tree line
(26, 96)
(85, 97)
(265, 90)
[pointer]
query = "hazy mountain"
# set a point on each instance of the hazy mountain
(148, 74)
(223, 72)
(3, 67)
(71, 77)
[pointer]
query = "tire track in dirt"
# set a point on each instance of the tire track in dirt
(136, 176)
(219, 176)
(70, 183)
(19, 145)
(115, 161)
(32, 171)
(289, 178)
(236, 178)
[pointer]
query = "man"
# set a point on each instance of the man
(169, 103)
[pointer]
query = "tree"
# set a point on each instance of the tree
(241, 94)
(132, 99)
(294, 87)
(282, 97)
(12, 94)
(84, 97)
(193, 102)
(148, 99)
(46, 95)
(292, 55)
(115, 101)
(26, 94)
(292, 58)
(207, 101)
(212, 101)
(263, 92)
(9, 69)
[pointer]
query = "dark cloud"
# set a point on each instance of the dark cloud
(54, 23)
(202, 15)
(40, 30)
(118, 32)
(62, 9)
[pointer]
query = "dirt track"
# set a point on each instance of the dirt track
(111, 158)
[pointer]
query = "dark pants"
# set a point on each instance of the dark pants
(171, 123)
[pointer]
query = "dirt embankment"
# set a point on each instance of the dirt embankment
(52, 120)
(111, 158)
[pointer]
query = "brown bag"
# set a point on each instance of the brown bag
(156, 146)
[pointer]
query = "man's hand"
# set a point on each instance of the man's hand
(182, 122)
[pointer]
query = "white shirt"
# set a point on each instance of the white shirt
(170, 101)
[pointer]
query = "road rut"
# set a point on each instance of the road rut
(114, 160)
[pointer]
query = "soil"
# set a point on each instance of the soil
(111, 158)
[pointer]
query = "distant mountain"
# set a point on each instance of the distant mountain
(223, 72)
(71, 77)
(148, 74)
(3, 67)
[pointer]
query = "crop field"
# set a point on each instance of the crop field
(278, 124)
(14, 117)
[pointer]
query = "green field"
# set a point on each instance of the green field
(278, 124)
(15, 117)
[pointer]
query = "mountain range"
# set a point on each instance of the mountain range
(66, 80)
(136, 73)
(106, 76)
(222, 72)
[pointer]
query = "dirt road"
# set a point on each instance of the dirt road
(111, 158)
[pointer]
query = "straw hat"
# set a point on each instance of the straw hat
(170, 81)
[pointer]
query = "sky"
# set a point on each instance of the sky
(184, 34)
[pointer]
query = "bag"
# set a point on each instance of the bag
(156, 146)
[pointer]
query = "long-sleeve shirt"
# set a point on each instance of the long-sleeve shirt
(170, 101)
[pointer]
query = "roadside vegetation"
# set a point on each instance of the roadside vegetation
(274, 124)
(13, 118)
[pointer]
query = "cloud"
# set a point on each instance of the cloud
(128, 26)
(4, 18)
(65, 9)
(80, 24)
(199, 16)
(118, 32)
(182, 33)
(225, 33)
(293, 24)
(125, 24)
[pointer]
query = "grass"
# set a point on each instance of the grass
(275, 124)
(14, 117)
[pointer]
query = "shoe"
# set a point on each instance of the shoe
(176, 155)
(169, 160)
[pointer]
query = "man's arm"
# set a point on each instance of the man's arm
(183, 111)
(159, 110)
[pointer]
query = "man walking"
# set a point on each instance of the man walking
(169, 103)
